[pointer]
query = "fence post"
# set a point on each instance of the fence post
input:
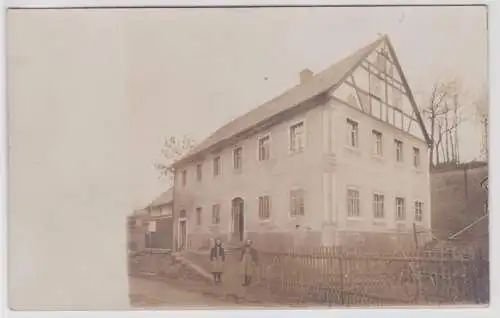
(341, 272)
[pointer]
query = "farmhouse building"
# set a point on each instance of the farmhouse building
(152, 227)
(340, 158)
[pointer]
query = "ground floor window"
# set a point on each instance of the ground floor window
(353, 203)
(297, 203)
(400, 208)
(264, 207)
(216, 214)
(418, 211)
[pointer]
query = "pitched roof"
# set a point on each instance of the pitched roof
(316, 85)
(165, 198)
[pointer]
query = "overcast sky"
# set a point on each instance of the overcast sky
(197, 69)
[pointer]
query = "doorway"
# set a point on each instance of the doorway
(238, 217)
(182, 234)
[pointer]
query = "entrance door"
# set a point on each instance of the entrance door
(238, 219)
(182, 234)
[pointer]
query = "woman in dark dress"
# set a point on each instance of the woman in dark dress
(217, 257)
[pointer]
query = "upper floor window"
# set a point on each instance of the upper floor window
(352, 133)
(400, 208)
(353, 203)
(182, 214)
(399, 150)
(264, 147)
(297, 137)
(378, 205)
(416, 157)
(264, 207)
(238, 158)
(198, 215)
(217, 166)
(199, 171)
(216, 214)
(297, 207)
(184, 177)
(419, 211)
(377, 143)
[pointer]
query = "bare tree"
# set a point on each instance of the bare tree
(482, 111)
(172, 150)
(443, 121)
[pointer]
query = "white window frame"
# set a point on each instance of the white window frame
(375, 151)
(261, 207)
(304, 136)
(259, 140)
(199, 215)
(420, 205)
(397, 214)
(291, 203)
(416, 158)
(199, 172)
(348, 202)
(235, 149)
(219, 166)
(350, 123)
(214, 216)
(375, 204)
(184, 177)
(399, 155)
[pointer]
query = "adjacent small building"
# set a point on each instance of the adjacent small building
(339, 159)
(152, 227)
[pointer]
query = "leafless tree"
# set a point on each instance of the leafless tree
(172, 150)
(443, 120)
(481, 104)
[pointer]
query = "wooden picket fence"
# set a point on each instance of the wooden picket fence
(329, 275)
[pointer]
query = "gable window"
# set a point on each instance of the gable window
(378, 206)
(353, 203)
(238, 158)
(264, 147)
(297, 137)
(377, 143)
(419, 211)
(199, 171)
(400, 209)
(399, 150)
(416, 157)
(198, 215)
(264, 207)
(397, 98)
(352, 133)
(297, 203)
(217, 166)
(216, 214)
(184, 177)
(375, 86)
(381, 62)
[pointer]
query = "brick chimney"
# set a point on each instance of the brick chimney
(305, 75)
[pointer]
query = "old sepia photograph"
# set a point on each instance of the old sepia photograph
(279, 157)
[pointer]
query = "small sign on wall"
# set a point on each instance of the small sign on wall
(152, 226)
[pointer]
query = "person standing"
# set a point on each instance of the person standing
(217, 257)
(249, 260)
